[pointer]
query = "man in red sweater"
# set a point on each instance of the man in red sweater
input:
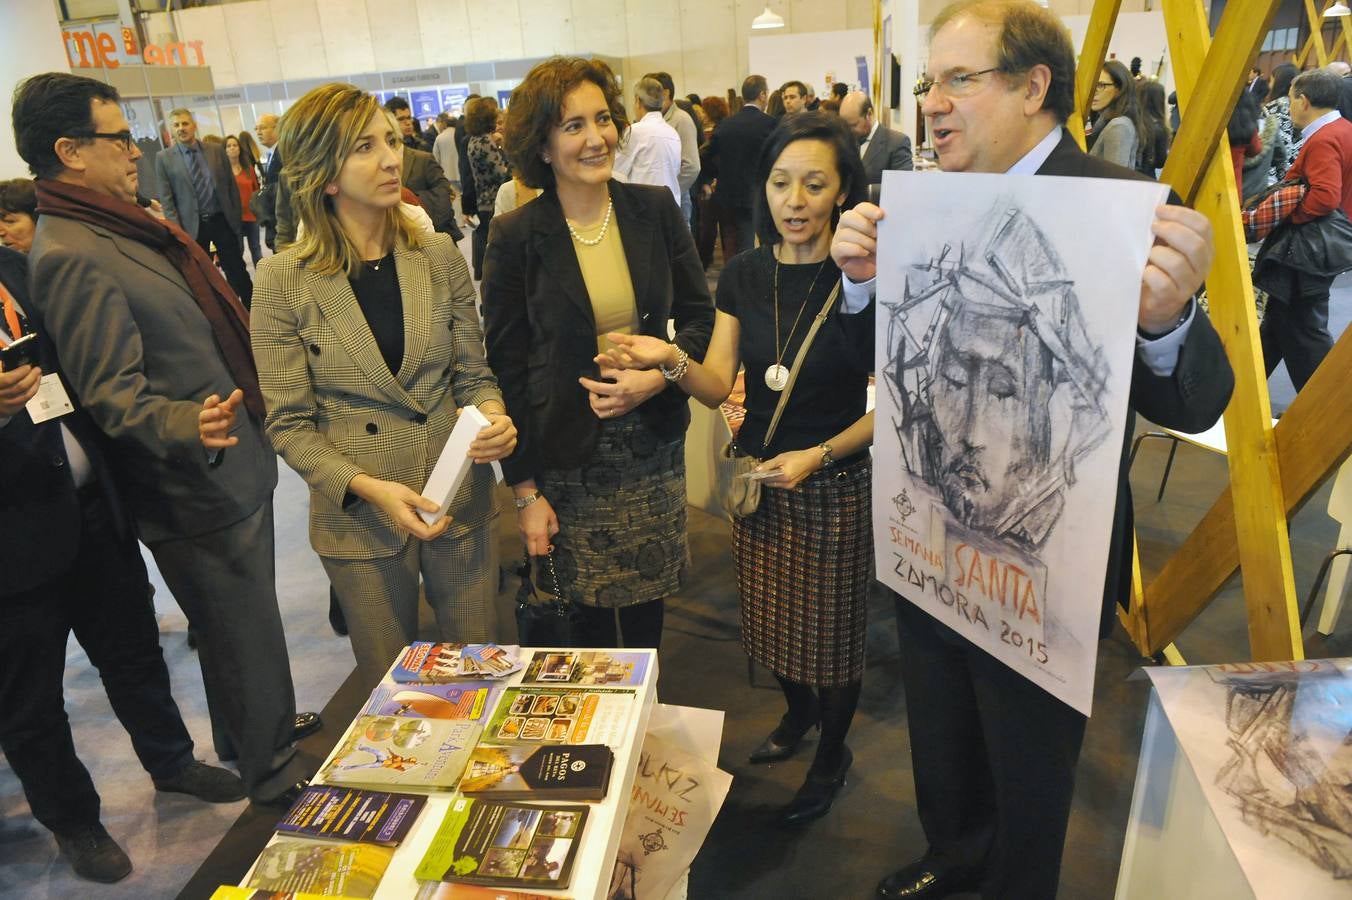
(1296, 326)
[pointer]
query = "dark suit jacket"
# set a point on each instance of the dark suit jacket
(176, 191)
(888, 150)
(541, 331)
(137, 350)
(39, 510)
(734, 149)
(1191, 399)
(422, 175)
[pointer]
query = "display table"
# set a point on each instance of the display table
(596, 851)
(1244, 785)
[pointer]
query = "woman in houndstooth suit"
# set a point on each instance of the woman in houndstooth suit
(367, 343)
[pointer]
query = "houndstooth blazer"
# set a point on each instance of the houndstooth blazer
(335, 410)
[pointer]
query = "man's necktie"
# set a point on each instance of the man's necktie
(201, 184)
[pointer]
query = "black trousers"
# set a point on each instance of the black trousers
(229, 250)
(105, 599)
(250, 237)
(735, 228)
(993, 757)
(640, 625)
(479, 242)
(1297, 331)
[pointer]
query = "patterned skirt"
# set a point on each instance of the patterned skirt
(622, 519)
(804, 565)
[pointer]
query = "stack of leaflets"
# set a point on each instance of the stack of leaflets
(534, 715)
(440, 663)
(461, 700)
(350, 814)
(330, 870)
(564, 772)
(603, 668)
(232, 892)
(510, 845)
(408, 752)
(444, 890)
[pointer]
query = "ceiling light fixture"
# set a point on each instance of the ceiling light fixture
(768, 19)
(1337, 10)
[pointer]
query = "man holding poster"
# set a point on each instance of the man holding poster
(1006, 372)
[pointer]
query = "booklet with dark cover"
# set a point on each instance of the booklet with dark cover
(512, 845)
(556, 772)
(352, 814)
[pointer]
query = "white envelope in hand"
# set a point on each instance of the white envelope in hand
(453, 464)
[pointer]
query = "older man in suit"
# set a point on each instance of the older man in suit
(199, 194)
(993, 755)
(151, 339)
(1296, 325)
(733, 150)
(72, 565)
(880, 147)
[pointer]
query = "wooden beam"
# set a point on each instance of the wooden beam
(1314, 437)
(1092, 54)
(1238, 37)
(1258, 537)
(1133, 618)
(1317, 32)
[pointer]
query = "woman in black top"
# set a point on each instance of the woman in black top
(805, 557)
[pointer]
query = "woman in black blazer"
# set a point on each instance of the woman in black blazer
(599, 471)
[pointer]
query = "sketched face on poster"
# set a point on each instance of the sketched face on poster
(1005, 351)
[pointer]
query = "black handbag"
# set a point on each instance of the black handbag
(549, 621)
(1321, 248)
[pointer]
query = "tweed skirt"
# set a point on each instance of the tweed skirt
(622, 519)
(804, 565)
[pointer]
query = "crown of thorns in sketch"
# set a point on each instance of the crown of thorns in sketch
(999, 386)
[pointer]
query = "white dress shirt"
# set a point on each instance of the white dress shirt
(651, 154)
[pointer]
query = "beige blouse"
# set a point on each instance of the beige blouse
(605, 272)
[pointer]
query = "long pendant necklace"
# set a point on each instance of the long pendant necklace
(777, 376)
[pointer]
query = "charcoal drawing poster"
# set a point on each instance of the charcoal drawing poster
(1271, 745)
(1006, 335)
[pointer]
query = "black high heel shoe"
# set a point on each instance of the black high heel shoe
(782, 742)
(818, 792)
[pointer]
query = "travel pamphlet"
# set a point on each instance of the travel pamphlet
(535, 715)
(351, 814)
(330, 870)
(462, 700)
(553, 772)
(513, 845)
(603, 668)
(410, 753)
(442, 663)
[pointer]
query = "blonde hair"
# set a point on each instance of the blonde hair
(315, 137)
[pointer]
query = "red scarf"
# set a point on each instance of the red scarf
(228, 318)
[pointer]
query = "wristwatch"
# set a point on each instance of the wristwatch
(527, 500)
(828, 459)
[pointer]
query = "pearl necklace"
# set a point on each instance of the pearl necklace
(605, 224)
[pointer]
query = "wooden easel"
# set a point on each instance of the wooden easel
(1272, 470)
